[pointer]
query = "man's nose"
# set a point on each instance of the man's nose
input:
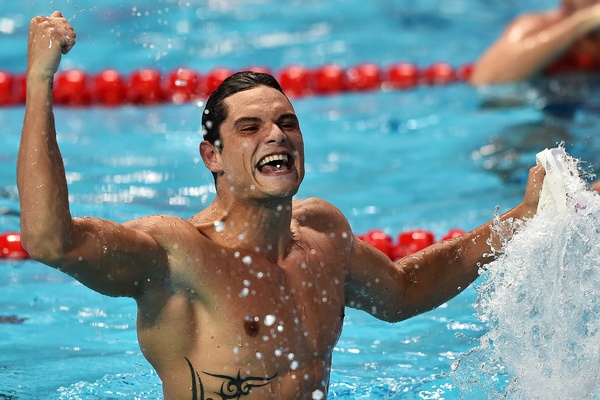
(276, 134)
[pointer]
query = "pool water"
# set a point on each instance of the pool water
(391, 160)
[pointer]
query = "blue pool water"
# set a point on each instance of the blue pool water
(392, 160)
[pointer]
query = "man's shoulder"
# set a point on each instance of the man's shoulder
(314, 205)
(314, 210)
(159, 224)
(156, 219)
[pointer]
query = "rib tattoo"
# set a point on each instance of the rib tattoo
(231, 387)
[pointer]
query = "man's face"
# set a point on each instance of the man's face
(263, 151)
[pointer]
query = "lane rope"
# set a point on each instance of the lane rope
(11, 247)
(407, 242)
(148, 86)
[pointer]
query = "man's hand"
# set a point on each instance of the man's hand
(532, 192)
(49, 38)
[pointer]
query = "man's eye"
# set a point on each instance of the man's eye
(289, 126)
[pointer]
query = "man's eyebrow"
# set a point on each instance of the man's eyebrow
(245, 120)
(287, 116)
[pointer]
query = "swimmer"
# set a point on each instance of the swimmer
(246, 298)
(562, 40)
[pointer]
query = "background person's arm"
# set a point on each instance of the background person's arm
(531, 43)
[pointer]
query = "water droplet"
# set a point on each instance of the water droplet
(269, 320)
(246, 282)
(247, 260)
(294, 365)
(219, 226)
(244, 292)
(318, 395)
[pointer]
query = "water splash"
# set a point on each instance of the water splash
(541, 300)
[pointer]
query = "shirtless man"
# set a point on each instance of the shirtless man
(246, 298)
(563, 40)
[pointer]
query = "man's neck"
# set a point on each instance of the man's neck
(259, 227)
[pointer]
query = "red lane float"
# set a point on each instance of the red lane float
(439, 74)
(6, 88)
(364, 77)
(71, 88)
(294, 81)
(215, 78)
(11, 247)
(403, 76)
(183, 85)
(407, 243)
(147, 86)
(12, 89)
(109, 88)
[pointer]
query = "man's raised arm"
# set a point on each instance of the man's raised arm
(40, 171)
(422, 281)
(108, 257)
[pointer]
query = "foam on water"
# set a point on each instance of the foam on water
(541, 299)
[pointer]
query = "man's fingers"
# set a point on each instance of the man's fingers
(64, 29)
(69, 40)
(67, 47)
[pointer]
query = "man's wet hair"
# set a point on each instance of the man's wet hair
(215, 111)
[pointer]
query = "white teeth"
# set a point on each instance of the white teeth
(277, 157)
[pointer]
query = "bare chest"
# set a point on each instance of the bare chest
(252, 305)
(298, 301)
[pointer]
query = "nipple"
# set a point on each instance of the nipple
(251, 326)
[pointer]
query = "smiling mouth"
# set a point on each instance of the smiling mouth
(275, 163)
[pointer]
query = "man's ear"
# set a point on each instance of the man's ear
(211, 156)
